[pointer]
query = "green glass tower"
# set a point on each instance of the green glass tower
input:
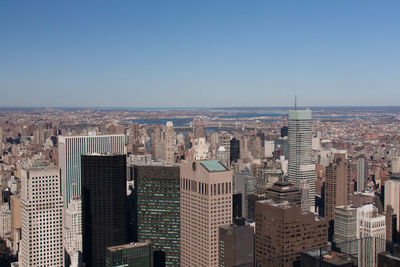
(157, 188)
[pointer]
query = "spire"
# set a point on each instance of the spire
(295, 102)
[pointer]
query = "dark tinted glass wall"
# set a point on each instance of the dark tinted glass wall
(158, 208)
(234, 150)
(103, 205)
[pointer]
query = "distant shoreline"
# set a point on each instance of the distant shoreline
(231, 109)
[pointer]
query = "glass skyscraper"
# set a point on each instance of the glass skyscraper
(130, 255)
(157, 188)
(103, 206)
(301, 169)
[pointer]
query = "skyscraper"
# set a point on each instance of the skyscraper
(346, 229)
(70, 150)
(392, 193)
(234, 150)
(282, 191)
(370, 224)
(283, 231)
(284, 131)
(353, 229)
(132, 255)
(337, 186)
(237, 205)
(362, 174)
(169, 142)
(236, 245)
(158, 144)
(301, 169)
(42, 208)
(73, 232)
(103, 205)
(206, 204)
(158, 207)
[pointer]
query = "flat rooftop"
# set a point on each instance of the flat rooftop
(127, 246)
(213, 165)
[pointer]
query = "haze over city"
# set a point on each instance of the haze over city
(199, 133)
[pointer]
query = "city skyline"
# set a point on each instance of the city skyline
(199, 133)
(209, 54)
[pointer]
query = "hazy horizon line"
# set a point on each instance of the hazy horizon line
(199, 106)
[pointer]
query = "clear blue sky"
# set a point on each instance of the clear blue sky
(199, 53)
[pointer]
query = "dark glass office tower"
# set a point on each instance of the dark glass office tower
(157, 187)
(103, 205)
(284, 131)
(234, 150)
(132, 255)
(237, 205)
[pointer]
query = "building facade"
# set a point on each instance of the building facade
(346, 229)
(130, 255)
(236, 245)
(157, 187)
(206, 204)
(234, 150)
(169, 142)
(392, 196)
(42, 207)
(337, 186)
(104, 210)
(282, 191)
(283, 231)
(70, 149)
(362, 174)
(301, 168)
(370, 224)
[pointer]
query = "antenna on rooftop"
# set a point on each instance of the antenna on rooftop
(295, 102)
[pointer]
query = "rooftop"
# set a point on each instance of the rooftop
(213, 165)
(130, 245)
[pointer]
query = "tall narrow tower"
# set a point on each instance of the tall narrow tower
(103, 206)
(337, 185)
(362, 174)
(158, 206)
(169, 142)
(42, 207)
(301, 169)
(206, 204)
(70, 149)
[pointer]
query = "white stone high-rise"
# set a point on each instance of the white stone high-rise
(301, 168)
(42, 210)
(169, 142)
(73, 231)
(360, 232)
(370, 224)
(70, 150)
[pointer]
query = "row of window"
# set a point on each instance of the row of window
(206, 189)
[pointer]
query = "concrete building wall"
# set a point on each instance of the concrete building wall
(206, 204)
(283, 229)
(42, 207)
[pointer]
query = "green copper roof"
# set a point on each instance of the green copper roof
(213, 165)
